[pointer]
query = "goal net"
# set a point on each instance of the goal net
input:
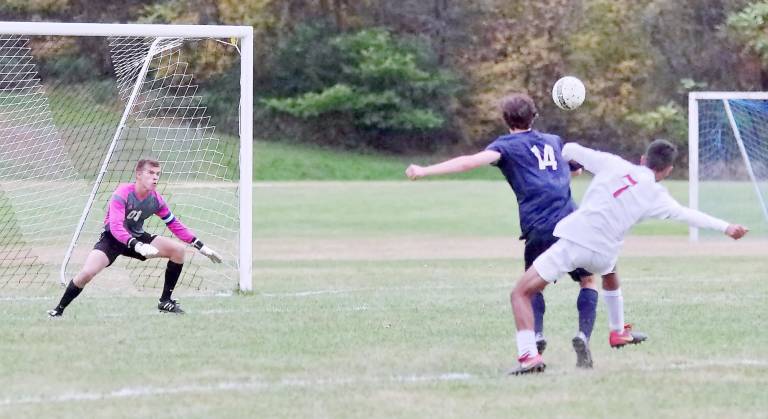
(728, 157)
(81, 103)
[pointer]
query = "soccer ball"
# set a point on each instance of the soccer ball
(568, 93)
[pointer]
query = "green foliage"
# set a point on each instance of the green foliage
(34, 6)
(749, 26)
(371, 78)
(665, 121)
(70, 68)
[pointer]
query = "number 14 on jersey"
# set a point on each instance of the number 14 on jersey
(546, 159)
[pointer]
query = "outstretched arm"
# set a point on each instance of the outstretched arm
(669, 208)
(594, 161)
(455, 165)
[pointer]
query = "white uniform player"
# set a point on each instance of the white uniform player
(620, 195)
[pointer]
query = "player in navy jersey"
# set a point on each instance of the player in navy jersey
(532, 163)
(130, 205)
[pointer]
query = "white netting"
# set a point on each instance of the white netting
(733, 183)
(60, 108)
(39, 187)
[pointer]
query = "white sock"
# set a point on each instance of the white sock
(615, 303)
(526, 343)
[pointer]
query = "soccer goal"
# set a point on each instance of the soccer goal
(728, 157)
(81, 103)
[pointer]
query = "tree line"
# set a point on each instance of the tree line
(426, 75)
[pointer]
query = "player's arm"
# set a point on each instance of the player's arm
(671, 209)
(183, 233)
(454, 165)
(594, 161)
(116, 218)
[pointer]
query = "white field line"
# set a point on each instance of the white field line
(251, 385)
(380, 289)
(150, 312)
(309, 293)
(110, 297)
(700, 365)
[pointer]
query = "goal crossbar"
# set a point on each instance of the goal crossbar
(118, 29)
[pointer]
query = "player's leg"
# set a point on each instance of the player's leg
(586, 303)
(536, 243)
(95, 262)
(548, 267)
(174, 251)
(520, 297)
(620, 332)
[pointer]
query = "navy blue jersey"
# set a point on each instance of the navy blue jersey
(533, 164)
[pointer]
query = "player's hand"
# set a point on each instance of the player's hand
(415, 172)
(211, 254)
(736, 231)
(146, 250)
(207, 251)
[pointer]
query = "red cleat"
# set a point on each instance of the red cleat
(625, 337)
(529, 364)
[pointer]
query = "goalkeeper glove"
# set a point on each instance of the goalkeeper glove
(206, 251)
(144, 249)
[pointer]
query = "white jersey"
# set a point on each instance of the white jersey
(620, 195)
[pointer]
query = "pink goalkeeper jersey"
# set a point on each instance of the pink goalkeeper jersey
(127, 212)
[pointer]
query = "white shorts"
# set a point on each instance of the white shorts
(565, 256)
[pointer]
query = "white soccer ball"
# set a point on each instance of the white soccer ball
(568, 93)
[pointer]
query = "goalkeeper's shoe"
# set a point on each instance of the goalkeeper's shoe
(541, 343)
(583, 354)
(55, 312)
(170, 306)
(529, 364)
(625, 337)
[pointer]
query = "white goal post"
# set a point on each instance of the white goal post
(728, 153)
(56, 147)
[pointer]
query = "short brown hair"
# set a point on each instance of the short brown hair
(660, 155)
(518, 111)
(146, 162)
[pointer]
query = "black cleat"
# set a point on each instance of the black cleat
(541, 343)
(55, 312)
(170, 306)
(583, 354)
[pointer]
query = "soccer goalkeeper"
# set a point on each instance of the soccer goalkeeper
(124, 234)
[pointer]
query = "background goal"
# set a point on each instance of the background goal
(728, 157)
(81, 103)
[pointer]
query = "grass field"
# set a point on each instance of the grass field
(390, 299)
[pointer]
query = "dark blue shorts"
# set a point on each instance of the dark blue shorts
(537, 242)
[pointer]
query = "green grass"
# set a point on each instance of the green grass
(281, 161)
(410, 332)
(409, 338)
(484, 208)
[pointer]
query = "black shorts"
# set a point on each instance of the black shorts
(537, 242)
(113, 248)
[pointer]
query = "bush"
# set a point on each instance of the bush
(368, 83)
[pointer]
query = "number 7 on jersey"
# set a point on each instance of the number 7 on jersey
(628, 181)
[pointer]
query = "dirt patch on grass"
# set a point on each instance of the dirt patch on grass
(480, 247)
